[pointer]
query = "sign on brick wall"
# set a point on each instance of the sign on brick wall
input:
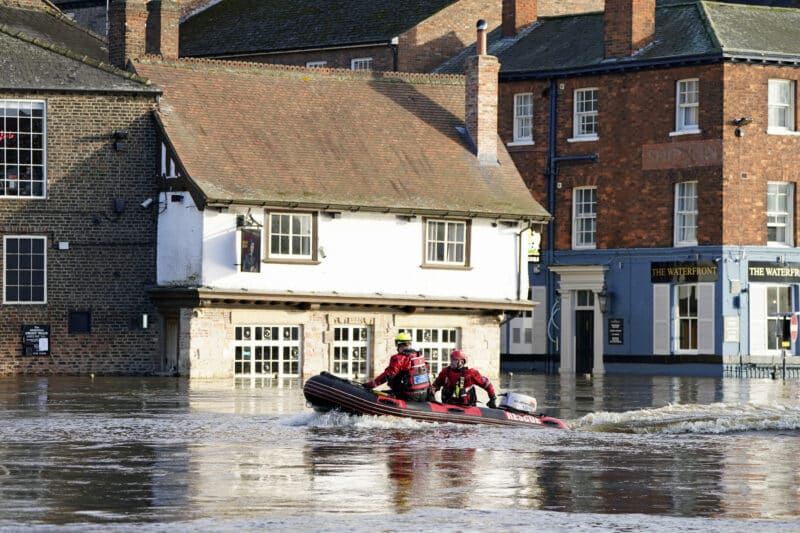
(36, 340)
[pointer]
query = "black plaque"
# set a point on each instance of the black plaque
(616, 331)
(36, 340)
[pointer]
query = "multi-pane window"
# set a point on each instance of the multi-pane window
(523, 117)
(22, 148)
(24, 268)
(688, 106)
(361, 63)
(584, 215)
(686, 213)
(779, 305)
(687, 316)
(272, 351)
(586, 106)
(292, 235)
(781, 105)
(435, 344)
(780, 213)
(316, 64)
(350, 351)
(446, 242)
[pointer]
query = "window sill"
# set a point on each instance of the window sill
(584, 139)
(789, 133)
(521, 143)
(291, 261)
(778, 245)
(593, 247)
(684, 132)
(445, 267)
(684, 244)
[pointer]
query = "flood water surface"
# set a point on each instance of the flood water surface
(644, 453)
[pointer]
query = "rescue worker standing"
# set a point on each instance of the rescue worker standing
(458, 382)
(407, 373)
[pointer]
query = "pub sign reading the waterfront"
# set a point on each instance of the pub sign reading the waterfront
(690, 271)
(777, 272)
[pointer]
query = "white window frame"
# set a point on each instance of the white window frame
(350, 351)
(12, 188)
(523, 119)
(780, 106)
(253, 350)
(361, 63)
(780, 212)
(29, 270)
(289, 236)
(689, 317)
(782, 295)
(686, 213)
(585, 114)
(435, 344)
(316, 64)
(687, 103)
(450, 248)
(584, 213)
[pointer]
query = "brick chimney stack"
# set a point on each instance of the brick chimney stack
(517, 14)
(628, 26)
(127, 24)
(163, 24)
(482, 72)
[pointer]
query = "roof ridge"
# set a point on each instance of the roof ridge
(53, 10)
(22, 36)
(749, 6)
(316, 72)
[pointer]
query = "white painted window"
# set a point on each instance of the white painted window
(23, 131)
(267, 351)
(292, 236)
(585, 126)
(686, 213)
(584, 217)
(523, 118)
(316, 64)
(686, 318)
(351, 351)
(683, 318)
(361, 63)
(446, 242)
(780, 214)
(779, 304)
(781, 106)
(435, 344)
(688, 106)
(24, 269)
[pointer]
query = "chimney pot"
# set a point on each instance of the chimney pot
(480, 42)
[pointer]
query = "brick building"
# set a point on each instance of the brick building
(78, 156)
(664, 141)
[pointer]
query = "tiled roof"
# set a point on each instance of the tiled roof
(49, 25)
(247, 26)
(32, 64)
(686, 30)
(270, 135)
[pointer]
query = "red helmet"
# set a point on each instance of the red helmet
(458, 354)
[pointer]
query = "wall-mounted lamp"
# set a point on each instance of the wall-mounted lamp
(333, 214)
(247, 221)
(604, 300)
(740, 123)
(119, 136)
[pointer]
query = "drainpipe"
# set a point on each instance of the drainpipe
(552, 171)
(393, 45)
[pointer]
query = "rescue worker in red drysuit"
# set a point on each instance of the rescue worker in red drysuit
(458, 382)
(407, 373)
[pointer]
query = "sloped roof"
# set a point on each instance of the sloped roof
(51, 26)
(33, 64)
(270, 135)
(690, 30)
(249, 26)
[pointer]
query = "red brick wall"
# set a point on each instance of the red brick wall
(636, 113)
(126, 30)
(756, 158)
(111, 256)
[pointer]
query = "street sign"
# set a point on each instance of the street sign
(793, 327)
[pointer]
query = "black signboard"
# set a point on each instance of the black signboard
(773, 272)
(35, 340)
(616, 331)
(690, 271)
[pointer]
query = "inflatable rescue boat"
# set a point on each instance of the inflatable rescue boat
(326, 392)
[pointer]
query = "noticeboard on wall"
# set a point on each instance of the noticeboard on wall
(36, 340)
(616, 331)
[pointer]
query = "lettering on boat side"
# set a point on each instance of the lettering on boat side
(521, 418)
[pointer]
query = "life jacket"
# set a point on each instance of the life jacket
(414, 383)
(456, 393)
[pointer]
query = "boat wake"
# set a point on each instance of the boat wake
(715, 418)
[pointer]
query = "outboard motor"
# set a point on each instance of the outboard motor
(518, 403)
